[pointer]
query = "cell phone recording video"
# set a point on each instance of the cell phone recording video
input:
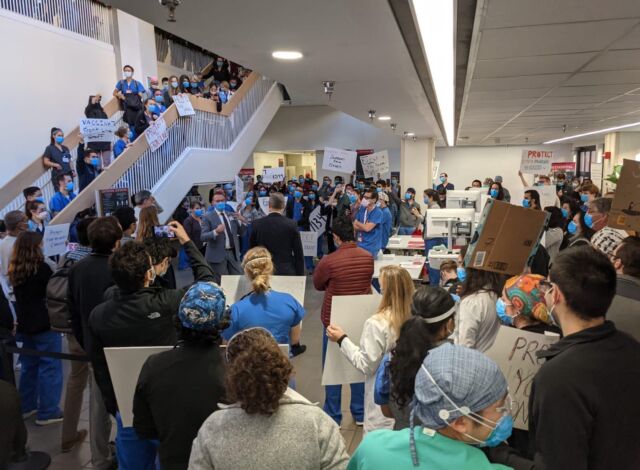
(163, 231)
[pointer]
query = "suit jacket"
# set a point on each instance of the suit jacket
(280, 236)
(303, 223)
(216, 242)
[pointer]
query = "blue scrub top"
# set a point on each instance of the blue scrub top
(59, 201)
(133, 86)
(275, 311)
(370, 241)
(386, 226)
(298, 209)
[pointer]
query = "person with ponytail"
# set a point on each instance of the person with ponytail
(379, 336)
(278, 312)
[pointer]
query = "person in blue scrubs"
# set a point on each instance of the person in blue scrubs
(57, 156)
(368, 223)
(63, 196)
(278, 312)
(387, 218)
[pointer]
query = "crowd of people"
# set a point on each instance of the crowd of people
(224, 395)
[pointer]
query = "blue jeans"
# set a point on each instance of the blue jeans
(434, 274)
(404, 230)
(132, 452)
(333, 394)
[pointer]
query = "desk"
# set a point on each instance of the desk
(413, 264)
(405, 243)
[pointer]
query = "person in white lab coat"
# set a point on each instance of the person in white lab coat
(378, 337)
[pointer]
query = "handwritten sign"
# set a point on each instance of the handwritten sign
(156, 134)
(547, 194)
(55, 239)
(239, 189)
(273, 175)
(264, 204)
(309, 243)
(183, 105)
(317, 222)
(514, 351)
(537, 162)
(375, 164)
(97, 130)
(341, 161)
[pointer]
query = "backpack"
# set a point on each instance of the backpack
(131, 105)
(57, 306)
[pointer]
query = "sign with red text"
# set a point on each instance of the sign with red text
(156, 134)
(536, 162)
(515, 351)
(563, 166)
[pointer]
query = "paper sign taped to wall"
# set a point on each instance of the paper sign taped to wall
(183, 105)
(514, 351)
(156, 134)
(317, 222)
(338, 160)
(235, 287)
(625, 209)
(309, 243)
(349, 312)
(55, 239)
(97, 130)
(537, 162)
(375, 165)
(273, 175)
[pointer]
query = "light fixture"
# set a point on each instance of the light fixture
(329, 87)
(171, 5)
(599, 131)
(287, 55)
(410, 134)
(436, 24)
(372, 114)
(393, 126)
(384, 118)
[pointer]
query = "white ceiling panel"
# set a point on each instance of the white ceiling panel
(518, 66)
(617, 60)
(629, 41)
(622, 77)
(518, 83)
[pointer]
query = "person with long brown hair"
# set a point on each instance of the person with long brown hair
(267, 425)
(40, 377)
(146, 221)
(379, 336)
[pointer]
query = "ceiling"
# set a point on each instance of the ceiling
(536, 66)
(357, 43)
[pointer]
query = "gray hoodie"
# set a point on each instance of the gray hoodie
(298, 436)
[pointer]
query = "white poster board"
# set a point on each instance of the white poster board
(536, 162)
(375, 164)
(349, 312)
(55, 239)
(309, 243)
(235, 287)
(97, 130)
(156, 134)
(239, 189)
(514, 351)
(436, 170)
(317, 222)
(547, 194)
(264, 204)
(183, 105)
(273, 175)
(338, 160)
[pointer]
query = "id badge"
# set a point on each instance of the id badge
(359, 237)
(65, 159)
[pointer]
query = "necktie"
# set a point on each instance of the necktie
(227, 227)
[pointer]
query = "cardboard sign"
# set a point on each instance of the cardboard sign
(309, 243)
(338, 160)
(156, 134)
(317, 222)
(547, 194)
(264, 204)
(55, 239)
(273, 175)
(108, 200)
(97, 130)
(349, 312)
(235, 287)
(625, 209)
(514, 351)
(537, 162)
(506, 237)
(375, 164)
(183, 105)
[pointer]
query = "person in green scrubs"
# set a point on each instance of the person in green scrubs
(461, 398)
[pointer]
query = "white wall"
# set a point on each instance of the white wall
(49, 74)
(137, 44)
(629, 146)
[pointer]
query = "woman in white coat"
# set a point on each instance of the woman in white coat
(378, 337)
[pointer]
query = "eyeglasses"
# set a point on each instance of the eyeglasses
(545, 286)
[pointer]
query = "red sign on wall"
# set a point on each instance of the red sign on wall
(563, 166)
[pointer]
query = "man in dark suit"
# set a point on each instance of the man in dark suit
(280, 236)
(221, 230)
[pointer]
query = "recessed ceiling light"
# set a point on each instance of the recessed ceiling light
(287, 55)
(384, 118)
(410, 134)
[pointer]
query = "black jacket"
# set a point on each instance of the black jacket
(86, 172)
(143, 317)
(141, 123)
(177, 391)
(280, 236)
(31, 302)
(303, 223)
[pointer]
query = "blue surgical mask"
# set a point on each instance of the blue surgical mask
(501, 432)
(174, 84)
(456, 298)
(233, 84)
(153, 109)
(378, 190)
(501, 310)
(159, 99)
(360, 186)
(247, 202)
(494, 193)
(572, 228)
(220, 206)
(584, 197)
(59, 139)
(314, 187)
(219, 63)
(565, 213)
(39, 199)
(228, 186)
(443, 179)
(95, 161)
(194, 84)
(186, 84)
(526, 203)
(297, 194)
(462, 273)
(407, 196)
(262, 193)
(131, 135)
(312, 196)
(425, 200)
(198, 212)
(69, 186)
(352, 198)
(588, 220)
(394, 182)
(300, 180)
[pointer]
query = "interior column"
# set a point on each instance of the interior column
(416, 163)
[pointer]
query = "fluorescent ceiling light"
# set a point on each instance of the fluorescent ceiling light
(410, 134)
(600, 131)
(384, 118)
(287, 55)
(436, 25)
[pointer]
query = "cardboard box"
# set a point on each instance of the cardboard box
(506, 237)
(625, 209)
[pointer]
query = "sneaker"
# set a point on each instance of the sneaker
(69, 445)
(359, 423)
(53, 420)
(297, 349)
(29, 414)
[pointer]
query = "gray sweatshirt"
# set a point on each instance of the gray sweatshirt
(298, 436)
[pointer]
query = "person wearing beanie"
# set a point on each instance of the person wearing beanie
(178, 389)
(462, 401)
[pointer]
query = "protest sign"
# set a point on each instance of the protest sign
(349, 312)
(97, 130)
(537, 162)
(235, 287)
(375, 165)
(273, 175)
(514, 351)
(309, 243)
(548, 194)
(239, 189)
(108, 200)
(156, 134)
(317, 222)
(338, 160)
(625, 209)
(55, 239)
(264, 204)
(183, 105)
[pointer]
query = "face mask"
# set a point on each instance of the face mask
(128, 74)
(575, 184)
(59, 139)
(300, 180)
(588, 220)
(43, 216)
(501, 310)
(159, 99)
(198, 212)
(456, 298)
(312, 196)
(263, 193)
(394, 182)
(69, 186)
(364, 203)
(494, 193)
(425, 200)
(462, 274)
(153, 109)
(443, 179)
(233, 84)
(247, 202)
(314, 187)
(174, 84)
(352, 198)
(572, 228)
(526, 203)
(219, 63)
(220, 206)
(228, 186)
(165, 86)
(131, 135)
(565, 213)
(378, 204)
(584, 197)
(194, 85)
(186, 84)
(95, 161)
(297, 194)
(39, 199)
(360, 186)
(407, 196)
(326, 183)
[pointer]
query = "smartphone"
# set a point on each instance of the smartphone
(163, 231)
